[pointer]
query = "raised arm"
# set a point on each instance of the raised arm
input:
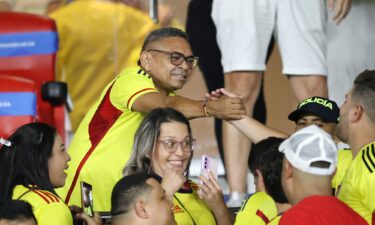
(250, 127)
(255, 130)
(229, 108)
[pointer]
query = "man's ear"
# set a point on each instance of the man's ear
(288, 173)
(146, 59)
(260, 181)
(140, 209)
(357, 113)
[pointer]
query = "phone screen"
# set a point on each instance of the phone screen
(209, 164)
(86, 198)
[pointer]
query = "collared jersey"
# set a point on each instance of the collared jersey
(97, 40)
(189, 209)
(47, 208)
(259, 208)
(358, 186)
(103, 142)
(344, 159)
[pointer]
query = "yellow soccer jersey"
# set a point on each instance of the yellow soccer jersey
(275, 220)
(103, 142)
(47, 207)
(344, 159)
(358, 186)
(258, 209)
(97, 40)
(189, 209)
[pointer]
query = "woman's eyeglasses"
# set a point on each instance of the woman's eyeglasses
(171, 145)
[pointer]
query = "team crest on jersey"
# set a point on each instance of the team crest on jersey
(177, 209)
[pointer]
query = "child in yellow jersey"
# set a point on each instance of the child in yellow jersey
(263, 206)
(163, 146)
(32, 162)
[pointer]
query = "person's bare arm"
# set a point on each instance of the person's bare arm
(255, 130)
(224, 108)
(250, 127)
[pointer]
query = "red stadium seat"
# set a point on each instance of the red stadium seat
(28, 45)
(17, 103)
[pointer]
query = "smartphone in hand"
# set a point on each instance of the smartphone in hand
(86, 199)
(209, 164)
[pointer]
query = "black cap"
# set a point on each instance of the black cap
(326, 109)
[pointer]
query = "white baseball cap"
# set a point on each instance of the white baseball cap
(308, 146)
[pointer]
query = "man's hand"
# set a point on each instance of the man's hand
(226, 105)
(227, 108)
(340, 9)
(172, 182)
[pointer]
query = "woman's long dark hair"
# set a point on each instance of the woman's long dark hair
(25, 162)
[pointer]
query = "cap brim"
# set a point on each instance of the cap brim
(296, 115)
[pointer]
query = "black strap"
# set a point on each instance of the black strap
(174, 196)
(23, 194)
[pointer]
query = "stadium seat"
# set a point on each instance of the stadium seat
(28, 45)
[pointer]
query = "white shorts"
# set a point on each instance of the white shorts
(244, 30)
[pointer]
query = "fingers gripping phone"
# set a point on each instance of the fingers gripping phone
(209, 164)
(86, 199)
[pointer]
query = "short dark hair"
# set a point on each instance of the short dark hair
(25, 162)
(16, 210)
(161, 33)
(265, 156)
(364, 92)
(125, 192)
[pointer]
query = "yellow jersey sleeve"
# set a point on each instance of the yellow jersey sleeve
(56, 213)
(357, 188)
(258, 209)
(130, 84)
(275, 221)
(47, 208)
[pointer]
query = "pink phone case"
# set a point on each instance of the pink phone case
(208, 164)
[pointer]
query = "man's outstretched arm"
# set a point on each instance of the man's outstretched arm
(226, 107)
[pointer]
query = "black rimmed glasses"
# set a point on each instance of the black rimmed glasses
(178, 58)
(170, 145)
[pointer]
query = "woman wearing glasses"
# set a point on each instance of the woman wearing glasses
(163, 147)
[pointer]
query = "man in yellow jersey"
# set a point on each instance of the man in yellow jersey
(102, 144)
(357, 128)
(265, 163)
(310, 159)
(139, 199)
(97, 40)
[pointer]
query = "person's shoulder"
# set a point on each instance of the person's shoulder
(258, 200)
(367, 157)
(36, 197)
(134, 74)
